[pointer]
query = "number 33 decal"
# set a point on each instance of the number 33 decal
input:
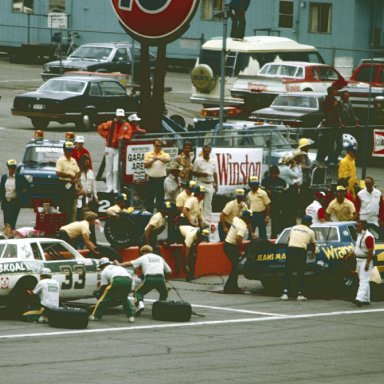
(147, 6)
(77, 269)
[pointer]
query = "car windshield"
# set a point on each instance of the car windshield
(91, 53)
(302, 102)
(42, 155)
(60, 86)
(324, 233)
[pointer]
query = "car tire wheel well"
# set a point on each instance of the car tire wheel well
(18, 298)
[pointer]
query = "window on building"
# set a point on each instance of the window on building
(320, 17)
(57, 6)
(210, 7)
(286, 14)
(22, 6)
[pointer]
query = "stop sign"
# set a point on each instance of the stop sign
(155, 21)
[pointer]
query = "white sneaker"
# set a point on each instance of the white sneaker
(43, 320)
(140, 307)
(284, 297)
(301, 298)
(93, 318)
(131, 319)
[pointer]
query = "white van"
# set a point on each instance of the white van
(244, 57)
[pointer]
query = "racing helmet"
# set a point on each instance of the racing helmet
(349, 141)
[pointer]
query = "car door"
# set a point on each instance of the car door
(78, 277)
(114, 96)
(121, 61)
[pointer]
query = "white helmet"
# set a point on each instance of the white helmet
(349, 141)
(46, 272)
(104, 261)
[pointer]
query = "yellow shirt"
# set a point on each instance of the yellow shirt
(258, 201)
(195, 209)
(157, 221)
(233, 209)
(77, 228)
(301, 236)
(181, 199)
(158, 168)
(347, 167)
(238, 228)
(67, 166)
(343, 211)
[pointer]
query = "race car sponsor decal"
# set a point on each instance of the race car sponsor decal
(270, 256)
(4, 282)
(337, 252)
(13, 267)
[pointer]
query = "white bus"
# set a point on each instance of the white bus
(243, 57)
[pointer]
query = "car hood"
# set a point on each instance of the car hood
(39, 170)
(47, 95)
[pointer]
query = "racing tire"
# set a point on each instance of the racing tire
(121, 233)
(40, 123)
(109, 252)
(68, 318)
(86, 121)
(19, 300)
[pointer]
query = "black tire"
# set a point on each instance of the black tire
(19, 300)
(40, 123)
(86, 121)
(120, 232)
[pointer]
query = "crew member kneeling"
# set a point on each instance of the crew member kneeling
(116, 284)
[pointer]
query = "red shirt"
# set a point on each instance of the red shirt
(77, 153)
(113, 132)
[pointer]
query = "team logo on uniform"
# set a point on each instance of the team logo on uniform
(154, 20)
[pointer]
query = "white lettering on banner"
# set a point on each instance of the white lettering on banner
(234, 167)
(378, 143)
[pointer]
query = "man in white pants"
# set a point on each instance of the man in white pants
(364, 249)
(113, 131)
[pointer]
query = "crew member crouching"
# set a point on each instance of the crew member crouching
(154, 268)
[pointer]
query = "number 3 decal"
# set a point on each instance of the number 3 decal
(77, 269)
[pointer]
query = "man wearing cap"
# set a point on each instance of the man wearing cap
(69, 172)
(72, 231)
(340, 207)
(155, 164)
(185, 159)
(116, 284)
(79, 150)
(133, 121)
(15, 191)
(231, 210)
(301, 239)
(347, 169)
(121, 204)
(113, 131)
(233, 249)
(182, 197)
(190, 221)
(316, 210)
(275, 187)
(154, 270)
(48, 291)
(369, 204)
(204, 168)
(260, 205)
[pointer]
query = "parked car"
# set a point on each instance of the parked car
(334, 241)
(83, 100)
(285, 77)
(293, 109)
(99, 57)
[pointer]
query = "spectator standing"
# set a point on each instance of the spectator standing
(348, 116)
(347, 169)
(331, 135)
(154, 270)
(275, 186)
(185, 160)
(133, 121)
(204, 169)
(301, 238)
(79, 150)
(171, 182)
(259, 204)
(364, 250)
(306, 169)
(15, 191)
(87, 199)
(369, 204)
(233, 249)
(231, 210)
(316, 210)
(237, 14)
(155, 164)
(116, 284)
(114, 131)
(341, 208)
(68, 171)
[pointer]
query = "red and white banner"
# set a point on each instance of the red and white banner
(378, 143)
(234, 167)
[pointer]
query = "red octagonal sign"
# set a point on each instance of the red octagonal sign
(155, 20)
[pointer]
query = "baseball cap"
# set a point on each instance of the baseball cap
(340, 188)
(79, 139)
(307, 219)
(68, 146)
(12, 163)
(199, 189)
(121, 197)
(120, 112)
(319, 194)
(134, 117)
(254, 180)
(304, 142)
(240, 192)
(104, 261)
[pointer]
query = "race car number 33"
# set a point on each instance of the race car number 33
(155, 19)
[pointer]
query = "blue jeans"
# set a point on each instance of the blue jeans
(258, 221)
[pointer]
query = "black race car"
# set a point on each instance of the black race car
(83, 100)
